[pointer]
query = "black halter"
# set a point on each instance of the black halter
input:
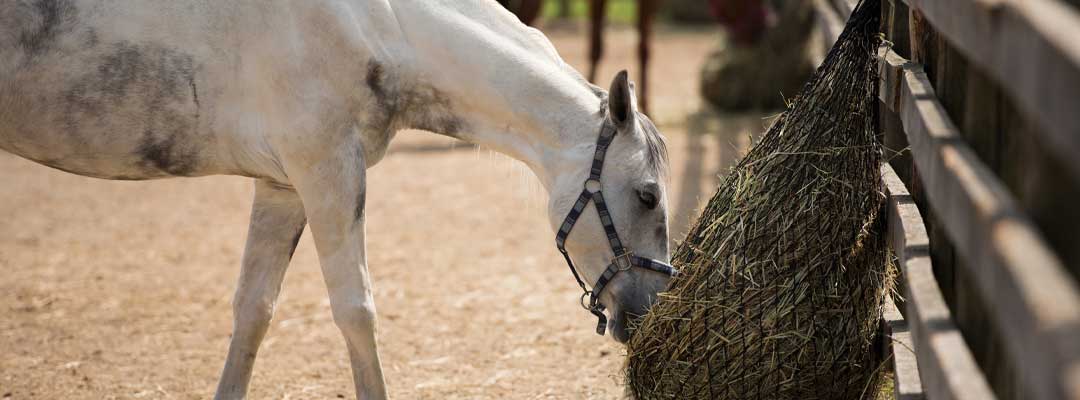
(623, 257)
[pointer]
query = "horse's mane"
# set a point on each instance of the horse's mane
(656, 145)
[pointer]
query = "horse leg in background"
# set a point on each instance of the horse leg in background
(597, 12)
(526, 10)
(530, 11)
(646, 12)
(331, 180)
(277, 220)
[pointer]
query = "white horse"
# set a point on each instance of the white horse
(304, 96)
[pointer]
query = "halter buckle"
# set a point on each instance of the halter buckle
(624, 261)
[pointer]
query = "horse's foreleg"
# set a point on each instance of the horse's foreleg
(333, 190)
(597, 12)
(277, 220)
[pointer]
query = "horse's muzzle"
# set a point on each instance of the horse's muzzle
(619, 325)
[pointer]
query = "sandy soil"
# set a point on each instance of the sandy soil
(121, 290)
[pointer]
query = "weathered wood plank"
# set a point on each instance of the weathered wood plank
(1033, 301)
(895, 15)
(1031, 49)
(929, 50)
(906, 382)
(947, 368)
(982, 129)
(892, 75)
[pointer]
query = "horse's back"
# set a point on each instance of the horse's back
(158, 88)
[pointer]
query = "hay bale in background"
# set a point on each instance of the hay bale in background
(688, 11)
(784, 274)
(758, 71)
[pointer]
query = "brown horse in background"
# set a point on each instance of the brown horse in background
(529, 10)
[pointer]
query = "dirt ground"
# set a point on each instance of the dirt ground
(121, 290)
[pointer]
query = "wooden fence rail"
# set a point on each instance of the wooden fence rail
(1013, 295)
(1031, 47)
(907, 385)
(1033, 300)
(948, 370)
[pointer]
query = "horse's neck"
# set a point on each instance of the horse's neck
(506, 82)
(535, 121)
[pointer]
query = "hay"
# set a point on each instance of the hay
(784, 274)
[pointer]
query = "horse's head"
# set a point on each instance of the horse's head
(632, 187)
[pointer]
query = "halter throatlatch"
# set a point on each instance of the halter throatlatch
(623, 258)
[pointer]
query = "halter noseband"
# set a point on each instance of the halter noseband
(623, 257)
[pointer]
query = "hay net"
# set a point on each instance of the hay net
(784, 273)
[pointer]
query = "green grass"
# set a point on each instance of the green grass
(619, 11)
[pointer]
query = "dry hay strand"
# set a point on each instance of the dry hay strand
(784, 274)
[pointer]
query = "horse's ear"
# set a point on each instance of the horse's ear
(621, 100)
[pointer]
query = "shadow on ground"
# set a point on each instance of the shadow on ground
(714, 142)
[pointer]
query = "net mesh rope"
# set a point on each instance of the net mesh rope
(783, 275)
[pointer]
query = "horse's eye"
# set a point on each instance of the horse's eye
(648, 199)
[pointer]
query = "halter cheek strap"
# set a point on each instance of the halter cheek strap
(623, 258)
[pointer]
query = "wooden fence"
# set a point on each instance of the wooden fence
(980, 108)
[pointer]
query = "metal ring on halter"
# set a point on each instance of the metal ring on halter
(583, 296)
(592, 185)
